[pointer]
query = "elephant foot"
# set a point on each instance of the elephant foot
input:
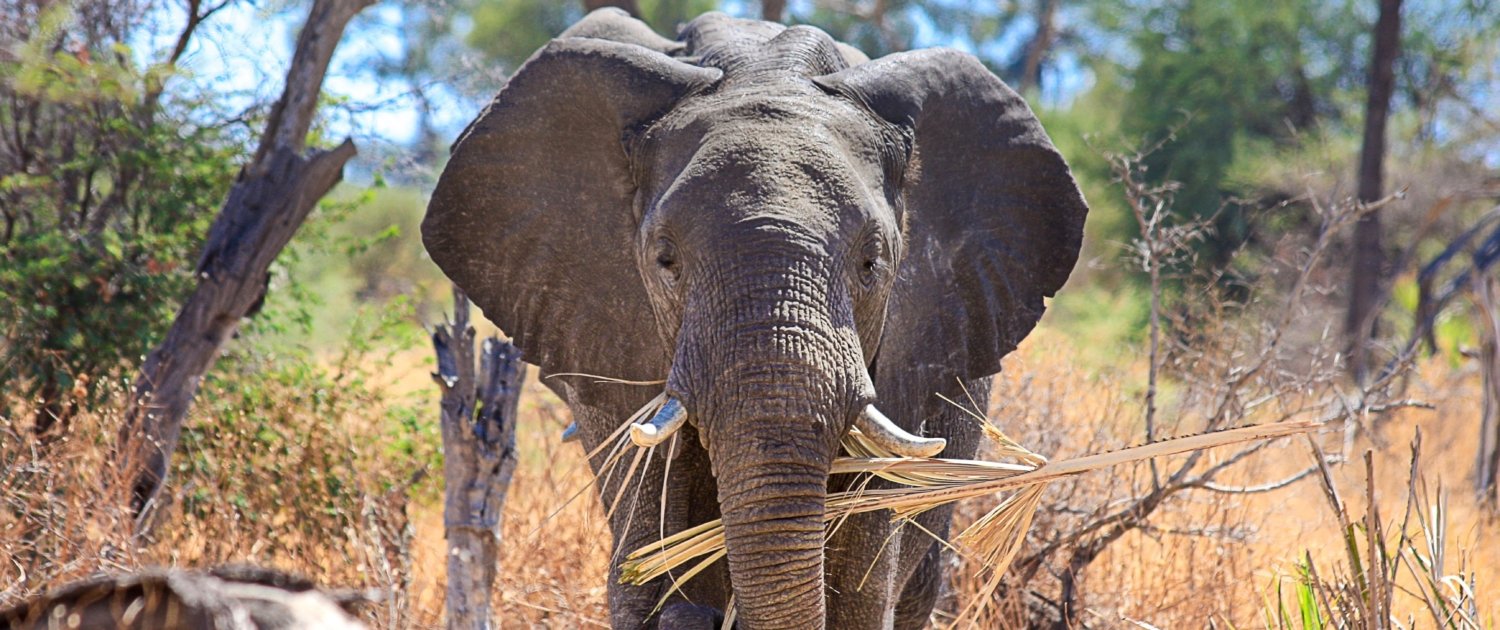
(685, 616)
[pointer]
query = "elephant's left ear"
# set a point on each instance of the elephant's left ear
(532, 216)
(994, 218)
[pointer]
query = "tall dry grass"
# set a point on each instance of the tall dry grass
(328, 470)
(1215, 557)
(285, 464)
(1205, 558)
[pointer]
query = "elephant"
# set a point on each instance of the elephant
(786, 238)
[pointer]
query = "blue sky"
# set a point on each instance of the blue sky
(243, 52)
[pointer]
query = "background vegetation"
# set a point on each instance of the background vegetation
(313, 444)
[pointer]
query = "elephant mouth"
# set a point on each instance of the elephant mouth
(773, 526)
(871, 422)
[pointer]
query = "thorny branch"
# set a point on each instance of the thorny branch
(1227, 375)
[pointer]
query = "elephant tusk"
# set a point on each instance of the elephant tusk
(570, 434)
(667, 421)
(884, 433)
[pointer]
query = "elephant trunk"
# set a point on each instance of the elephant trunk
(772, 429)
(770, 369)
(772, 492)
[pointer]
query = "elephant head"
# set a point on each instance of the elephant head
(767, 228)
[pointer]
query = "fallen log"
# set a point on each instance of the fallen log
(227, 598)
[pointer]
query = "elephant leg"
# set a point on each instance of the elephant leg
(917, 547)
(923, 586)
(860, 561)
(633, 523)
(877, 580)
(691, 499)
(919, 568)
(685, 616)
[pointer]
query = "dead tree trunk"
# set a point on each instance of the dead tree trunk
(1368, 268)
(630, 6)
(1487, 465)
(1031, 71)
(773, 10)
(227, 597)
(273, 195)
(479, 457)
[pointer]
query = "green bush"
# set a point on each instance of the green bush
(290, 445)
(105, 203)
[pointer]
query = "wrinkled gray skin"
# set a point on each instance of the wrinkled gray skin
(785, 232)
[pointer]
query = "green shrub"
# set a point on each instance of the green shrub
(105, 203)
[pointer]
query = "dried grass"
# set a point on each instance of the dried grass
(931, 483)
(1213, 557)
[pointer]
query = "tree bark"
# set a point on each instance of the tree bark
(1031, 72)
(1368, 267)
(1487, 464)
(630, 6)
(272, 197)
(773, 10)
(479, 458)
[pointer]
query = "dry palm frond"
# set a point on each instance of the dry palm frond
(906, 502)
(606, 379)
(868, 457)
(621, 445)
(1011, 448)
(618, 445)
(997, 537)
(930, 483)
(1006, 447)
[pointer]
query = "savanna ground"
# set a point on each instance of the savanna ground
(313, 446)
(314, 485)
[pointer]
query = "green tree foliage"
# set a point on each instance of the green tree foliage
(508, 31)
(1218, 76)
(881, 28)
(666, 15)
(877, 29)
(1448, 71)
(107, 185)
(1241, 90)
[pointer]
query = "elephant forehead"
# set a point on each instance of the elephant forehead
(816, 158)
(806, 178)
(790, 104)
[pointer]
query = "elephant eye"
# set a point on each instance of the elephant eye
(869, 271)
(666, 259)
(872, 261)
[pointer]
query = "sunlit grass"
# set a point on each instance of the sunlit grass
(1209, 557)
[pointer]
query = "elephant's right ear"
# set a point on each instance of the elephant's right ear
(994, 217)
(533, 218)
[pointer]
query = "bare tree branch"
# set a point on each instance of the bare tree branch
(273, 196)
